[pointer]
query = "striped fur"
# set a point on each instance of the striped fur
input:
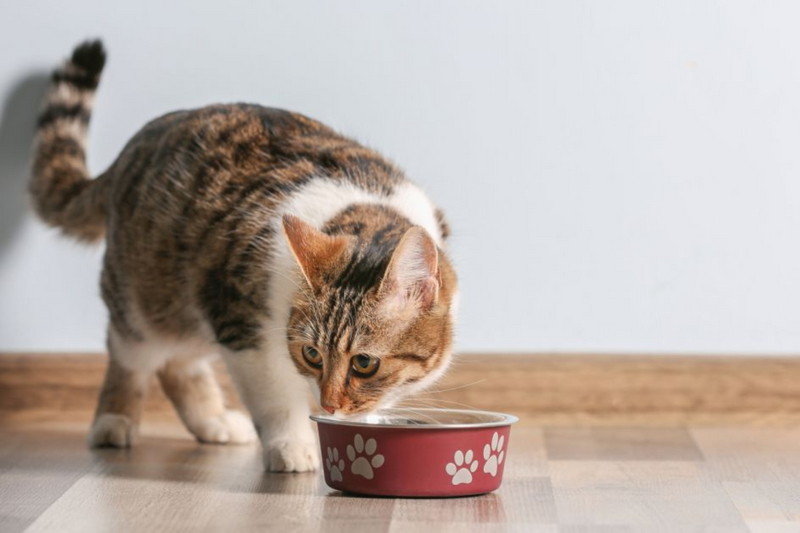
(62, 192)
(199, 261)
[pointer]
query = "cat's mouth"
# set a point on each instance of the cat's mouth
(350, 417)
(338, 415)
(362, 416)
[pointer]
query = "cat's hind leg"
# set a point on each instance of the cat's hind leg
(119, 408)
(193, 389)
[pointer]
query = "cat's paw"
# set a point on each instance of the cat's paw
(112, 430)
(291, 456)
(233, 427)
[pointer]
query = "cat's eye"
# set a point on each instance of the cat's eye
(365, 365)
(312, 356)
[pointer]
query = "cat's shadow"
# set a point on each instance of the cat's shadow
(17, 132)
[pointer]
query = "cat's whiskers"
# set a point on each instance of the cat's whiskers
(436, 391)
(447, 402)
(418, 413)
(298, 331)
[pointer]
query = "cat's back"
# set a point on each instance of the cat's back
(225, 151)
(195, 195)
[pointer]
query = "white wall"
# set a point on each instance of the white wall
(619, 175)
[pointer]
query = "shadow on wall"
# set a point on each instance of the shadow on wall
(17, 131)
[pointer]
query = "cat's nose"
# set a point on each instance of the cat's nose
(329, 408)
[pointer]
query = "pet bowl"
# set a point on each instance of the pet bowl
(415, 452)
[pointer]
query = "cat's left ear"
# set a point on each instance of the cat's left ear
(315, 252)
(412, 280)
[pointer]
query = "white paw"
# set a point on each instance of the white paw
(362, 466)
(334, 465)
(109, 429)
(291, 456)
(233, 427)
(493, 455)
(462, 468)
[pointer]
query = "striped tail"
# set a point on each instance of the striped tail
(63, 193)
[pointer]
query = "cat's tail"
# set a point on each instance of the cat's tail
(63, 193)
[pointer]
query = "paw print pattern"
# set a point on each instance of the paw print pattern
(359, 454)
(493, 455)
(462, 467)
(334, 465)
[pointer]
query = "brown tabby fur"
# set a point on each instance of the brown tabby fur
(187, 211)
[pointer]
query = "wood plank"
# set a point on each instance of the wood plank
(544, 389)
(762, 454)
(34, 472)
(650, 496)
(745, 477)
(621, 444)
(764, 504)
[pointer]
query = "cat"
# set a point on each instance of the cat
(307, 261)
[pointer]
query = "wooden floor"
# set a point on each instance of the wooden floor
(567, 479)
(552, 390)
(606, 444)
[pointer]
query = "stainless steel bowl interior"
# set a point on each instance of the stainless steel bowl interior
(424, 419)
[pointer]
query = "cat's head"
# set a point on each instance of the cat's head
(373, 321)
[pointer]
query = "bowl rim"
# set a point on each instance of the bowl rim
(505, 420)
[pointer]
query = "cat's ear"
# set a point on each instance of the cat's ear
(315, 252)
(412, 279)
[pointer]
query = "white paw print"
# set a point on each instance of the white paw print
(493, 455)
(362, 466)
(462, 467)
(334, 465)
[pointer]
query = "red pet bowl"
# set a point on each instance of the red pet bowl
(419, 452)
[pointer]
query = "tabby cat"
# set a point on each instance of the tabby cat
(307, 261)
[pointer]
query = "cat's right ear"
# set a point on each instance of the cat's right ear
(412, 279)
(315, 252)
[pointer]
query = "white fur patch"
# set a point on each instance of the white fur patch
(455, 301)
(232, 427)
(66, 94)
(412, 202)
(147, 356)
(321, 199)
(114, 430)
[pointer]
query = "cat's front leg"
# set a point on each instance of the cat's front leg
(277, 398)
